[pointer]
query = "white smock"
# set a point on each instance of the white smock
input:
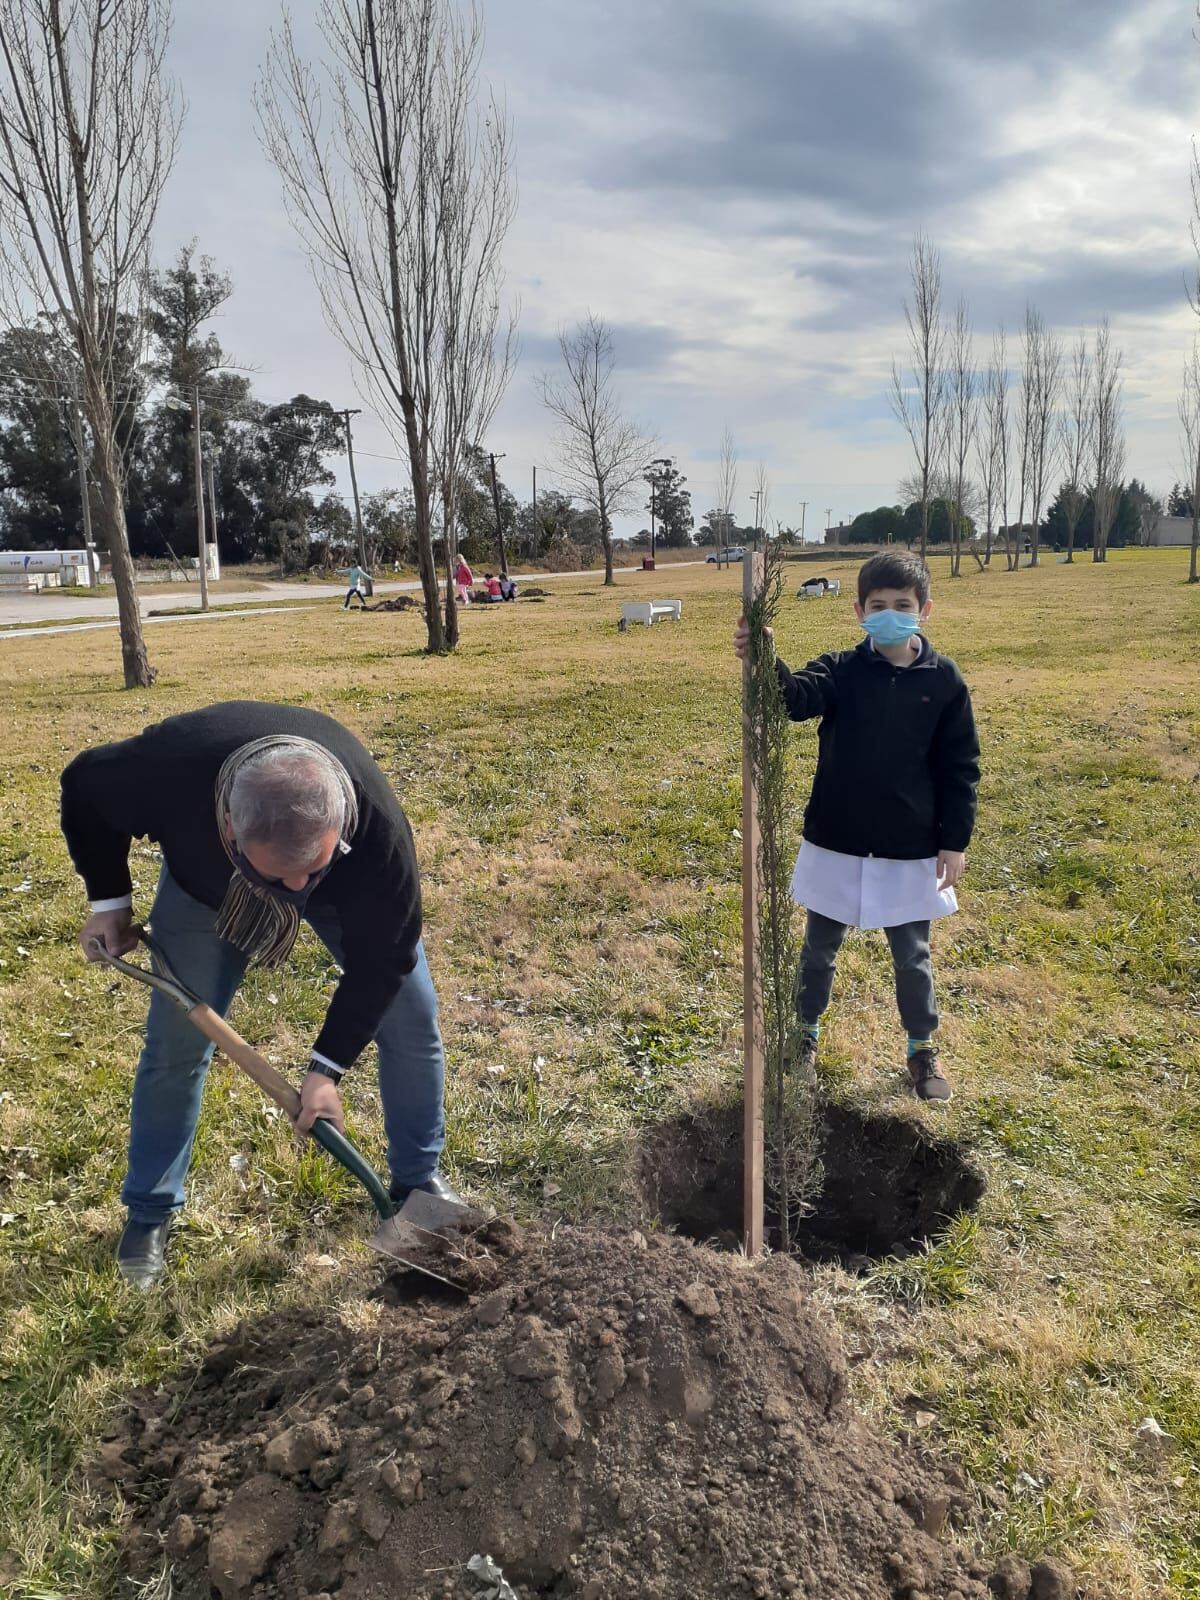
(869, 891)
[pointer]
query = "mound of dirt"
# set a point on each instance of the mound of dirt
(617, 1416)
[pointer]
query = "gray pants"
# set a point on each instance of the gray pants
(910, 955)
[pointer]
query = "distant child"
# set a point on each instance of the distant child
(358, 578)
(464, 581)
(508, 588)
(892, 806)
(492, 584)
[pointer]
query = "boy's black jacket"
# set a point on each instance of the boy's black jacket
(899, 757)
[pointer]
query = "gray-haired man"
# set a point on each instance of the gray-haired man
(266, 815)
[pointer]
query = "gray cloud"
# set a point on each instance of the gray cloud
(637, 347)
(815, 135)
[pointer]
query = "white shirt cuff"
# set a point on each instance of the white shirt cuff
(122, 902)
(325, 1061)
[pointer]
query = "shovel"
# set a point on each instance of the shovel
(425, 1223)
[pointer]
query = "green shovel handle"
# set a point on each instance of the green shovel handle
(350, 1157)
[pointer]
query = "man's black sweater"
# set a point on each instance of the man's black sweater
(898, 761)
(161, 786)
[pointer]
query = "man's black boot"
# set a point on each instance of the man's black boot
(436, 1185)
(142, 1251)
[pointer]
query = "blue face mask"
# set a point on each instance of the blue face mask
(891, 627)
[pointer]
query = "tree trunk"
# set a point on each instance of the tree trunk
(1193, 569)
(606, 540)
(1071, 525)
(452, 634)
(450, 548)
(419, 466)
(139, 674)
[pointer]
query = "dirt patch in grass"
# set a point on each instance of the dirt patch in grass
(888, 1182)
(619, 1415)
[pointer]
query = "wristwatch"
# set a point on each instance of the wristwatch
(327, 1070)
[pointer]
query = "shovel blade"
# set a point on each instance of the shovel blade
(423, 1222)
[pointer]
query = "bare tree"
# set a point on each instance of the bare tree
(1189, 401)
(476, 348)
(88, 128)
(762, 501)
(1075, 441)
(1108, 440)
(727, 479)
(1025, 447)
(601, 453)
(401, 192)
(959, 427)
(919, 412)
(991, 442)
(1044, 361)
(1189, 438)
(1149, 509)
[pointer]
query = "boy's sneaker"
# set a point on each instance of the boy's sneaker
(928, 1080)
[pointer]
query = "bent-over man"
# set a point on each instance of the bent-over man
(266, 815)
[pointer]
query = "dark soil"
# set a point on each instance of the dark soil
(888, 1182)
(617, 1418)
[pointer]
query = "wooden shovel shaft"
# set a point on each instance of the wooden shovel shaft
(271, 1081)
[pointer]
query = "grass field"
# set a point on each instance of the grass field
(575, 794)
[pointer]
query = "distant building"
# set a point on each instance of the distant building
(1172, 531)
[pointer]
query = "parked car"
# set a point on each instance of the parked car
(734, 553)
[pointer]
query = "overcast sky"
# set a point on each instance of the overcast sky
(734, 185)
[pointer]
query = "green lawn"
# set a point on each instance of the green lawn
(575, 794)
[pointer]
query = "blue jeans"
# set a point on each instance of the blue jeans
(174, 1062)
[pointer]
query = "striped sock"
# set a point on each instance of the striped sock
(919, 1044)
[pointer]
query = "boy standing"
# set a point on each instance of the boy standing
(892, 806)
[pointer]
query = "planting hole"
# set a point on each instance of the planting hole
(888, 1184)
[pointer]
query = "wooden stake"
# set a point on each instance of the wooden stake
(752, 1017)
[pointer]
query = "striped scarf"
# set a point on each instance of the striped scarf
(256, 922)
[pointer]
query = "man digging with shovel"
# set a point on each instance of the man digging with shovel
(265, 814)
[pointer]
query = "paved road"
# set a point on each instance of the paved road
(76, 613)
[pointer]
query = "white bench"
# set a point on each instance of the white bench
(651, 611)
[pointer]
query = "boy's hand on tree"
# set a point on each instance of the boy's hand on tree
(951, 864)
(741, 638)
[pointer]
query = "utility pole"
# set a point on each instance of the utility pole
(358, 527)
(803, 509)
(655, 472)
(212, 510)
(499, 524)
(200, 539)
(828, 521)
(84, 498)
(757, 498)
